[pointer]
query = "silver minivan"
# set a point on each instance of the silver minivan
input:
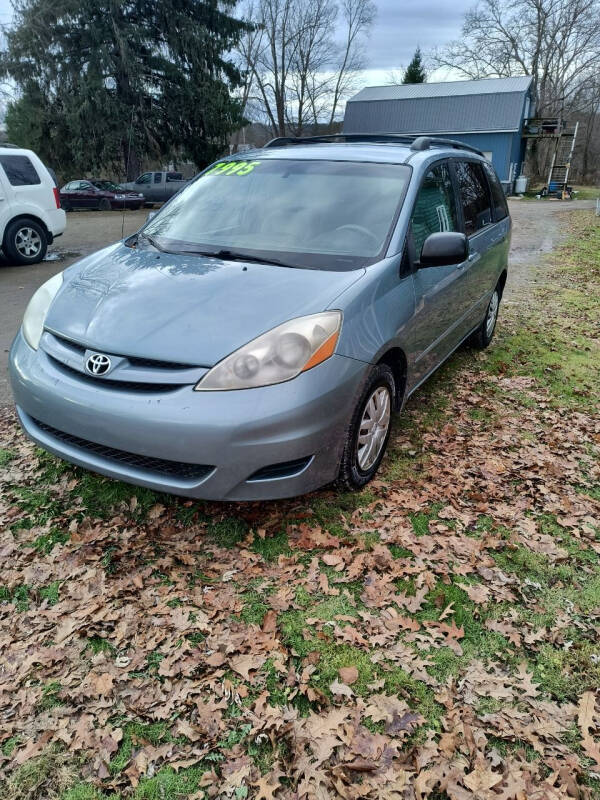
(254, 338)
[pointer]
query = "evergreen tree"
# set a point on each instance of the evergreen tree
(415, 72)
(106, 83)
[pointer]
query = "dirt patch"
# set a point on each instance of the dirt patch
(538, 229)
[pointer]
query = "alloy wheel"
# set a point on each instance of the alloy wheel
(28, 242)
(374, 427)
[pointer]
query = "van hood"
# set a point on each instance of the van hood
(189, 309)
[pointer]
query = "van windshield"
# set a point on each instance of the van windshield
(330, 215)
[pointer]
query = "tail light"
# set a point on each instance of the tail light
(56, 197)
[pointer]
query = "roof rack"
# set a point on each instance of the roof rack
(416, 143)
(425, 142)
(384, 138)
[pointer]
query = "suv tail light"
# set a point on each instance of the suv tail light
(56, 197)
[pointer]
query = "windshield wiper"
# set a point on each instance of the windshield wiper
(234, 255)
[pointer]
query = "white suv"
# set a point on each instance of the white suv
(30, 212)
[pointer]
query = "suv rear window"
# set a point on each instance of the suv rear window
(19, 171)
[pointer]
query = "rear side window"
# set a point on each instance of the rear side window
(174, 176)
(20, 171)
(435, 209)
(499, 204)
(475, 196)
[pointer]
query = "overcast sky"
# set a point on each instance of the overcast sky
(400, 26)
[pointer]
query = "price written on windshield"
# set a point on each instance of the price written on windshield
(233, 168)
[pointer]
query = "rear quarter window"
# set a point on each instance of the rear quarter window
(499, 204)
(19, 170)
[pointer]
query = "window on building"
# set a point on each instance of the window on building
(435, 209)
(475, 196)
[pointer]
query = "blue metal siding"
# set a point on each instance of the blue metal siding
(501, 145)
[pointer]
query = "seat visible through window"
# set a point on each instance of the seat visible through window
(435, 209)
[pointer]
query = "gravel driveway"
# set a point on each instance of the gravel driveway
(537, 229)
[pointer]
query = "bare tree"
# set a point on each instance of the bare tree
(557, 42)
(358, 18)
(297, 73)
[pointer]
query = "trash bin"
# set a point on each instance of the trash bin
(521, 184)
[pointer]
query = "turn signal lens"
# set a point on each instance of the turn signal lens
(277, 356)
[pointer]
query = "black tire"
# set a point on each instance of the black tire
(25, 241)
(352, 476)
(484, 334)
(66, 206)
(104, 204)
(137, 207)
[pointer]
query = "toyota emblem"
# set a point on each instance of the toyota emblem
(98, 364)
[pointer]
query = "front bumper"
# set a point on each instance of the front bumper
(236, 434)
(128, 202)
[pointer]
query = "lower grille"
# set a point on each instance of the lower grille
(287, 469)
(173, 469)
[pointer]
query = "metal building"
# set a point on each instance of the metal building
(487, 114)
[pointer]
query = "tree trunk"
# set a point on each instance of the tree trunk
(131, 161)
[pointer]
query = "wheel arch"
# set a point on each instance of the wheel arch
(32, 217)
(502, 282)
(395, 358)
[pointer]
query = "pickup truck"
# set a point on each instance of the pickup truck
(157, 187)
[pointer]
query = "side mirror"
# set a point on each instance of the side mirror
(444, 249)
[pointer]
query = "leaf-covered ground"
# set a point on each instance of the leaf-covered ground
(436, 636)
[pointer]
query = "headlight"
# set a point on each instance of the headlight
(35, 313)
(277, 356)
(119, 197)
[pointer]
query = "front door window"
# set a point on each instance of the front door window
(435, 209)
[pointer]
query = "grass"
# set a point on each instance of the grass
(272, 546)
(6, 456)
(19, 596)
(46, 777)
(45, 542)
(134, 735)
(50, 698)
(556, 343)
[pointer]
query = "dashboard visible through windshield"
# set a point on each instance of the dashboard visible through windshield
(334, 215)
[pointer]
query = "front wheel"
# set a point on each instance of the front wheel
(484, 333)
(369, 431)
(104, 204)
(25, 242)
